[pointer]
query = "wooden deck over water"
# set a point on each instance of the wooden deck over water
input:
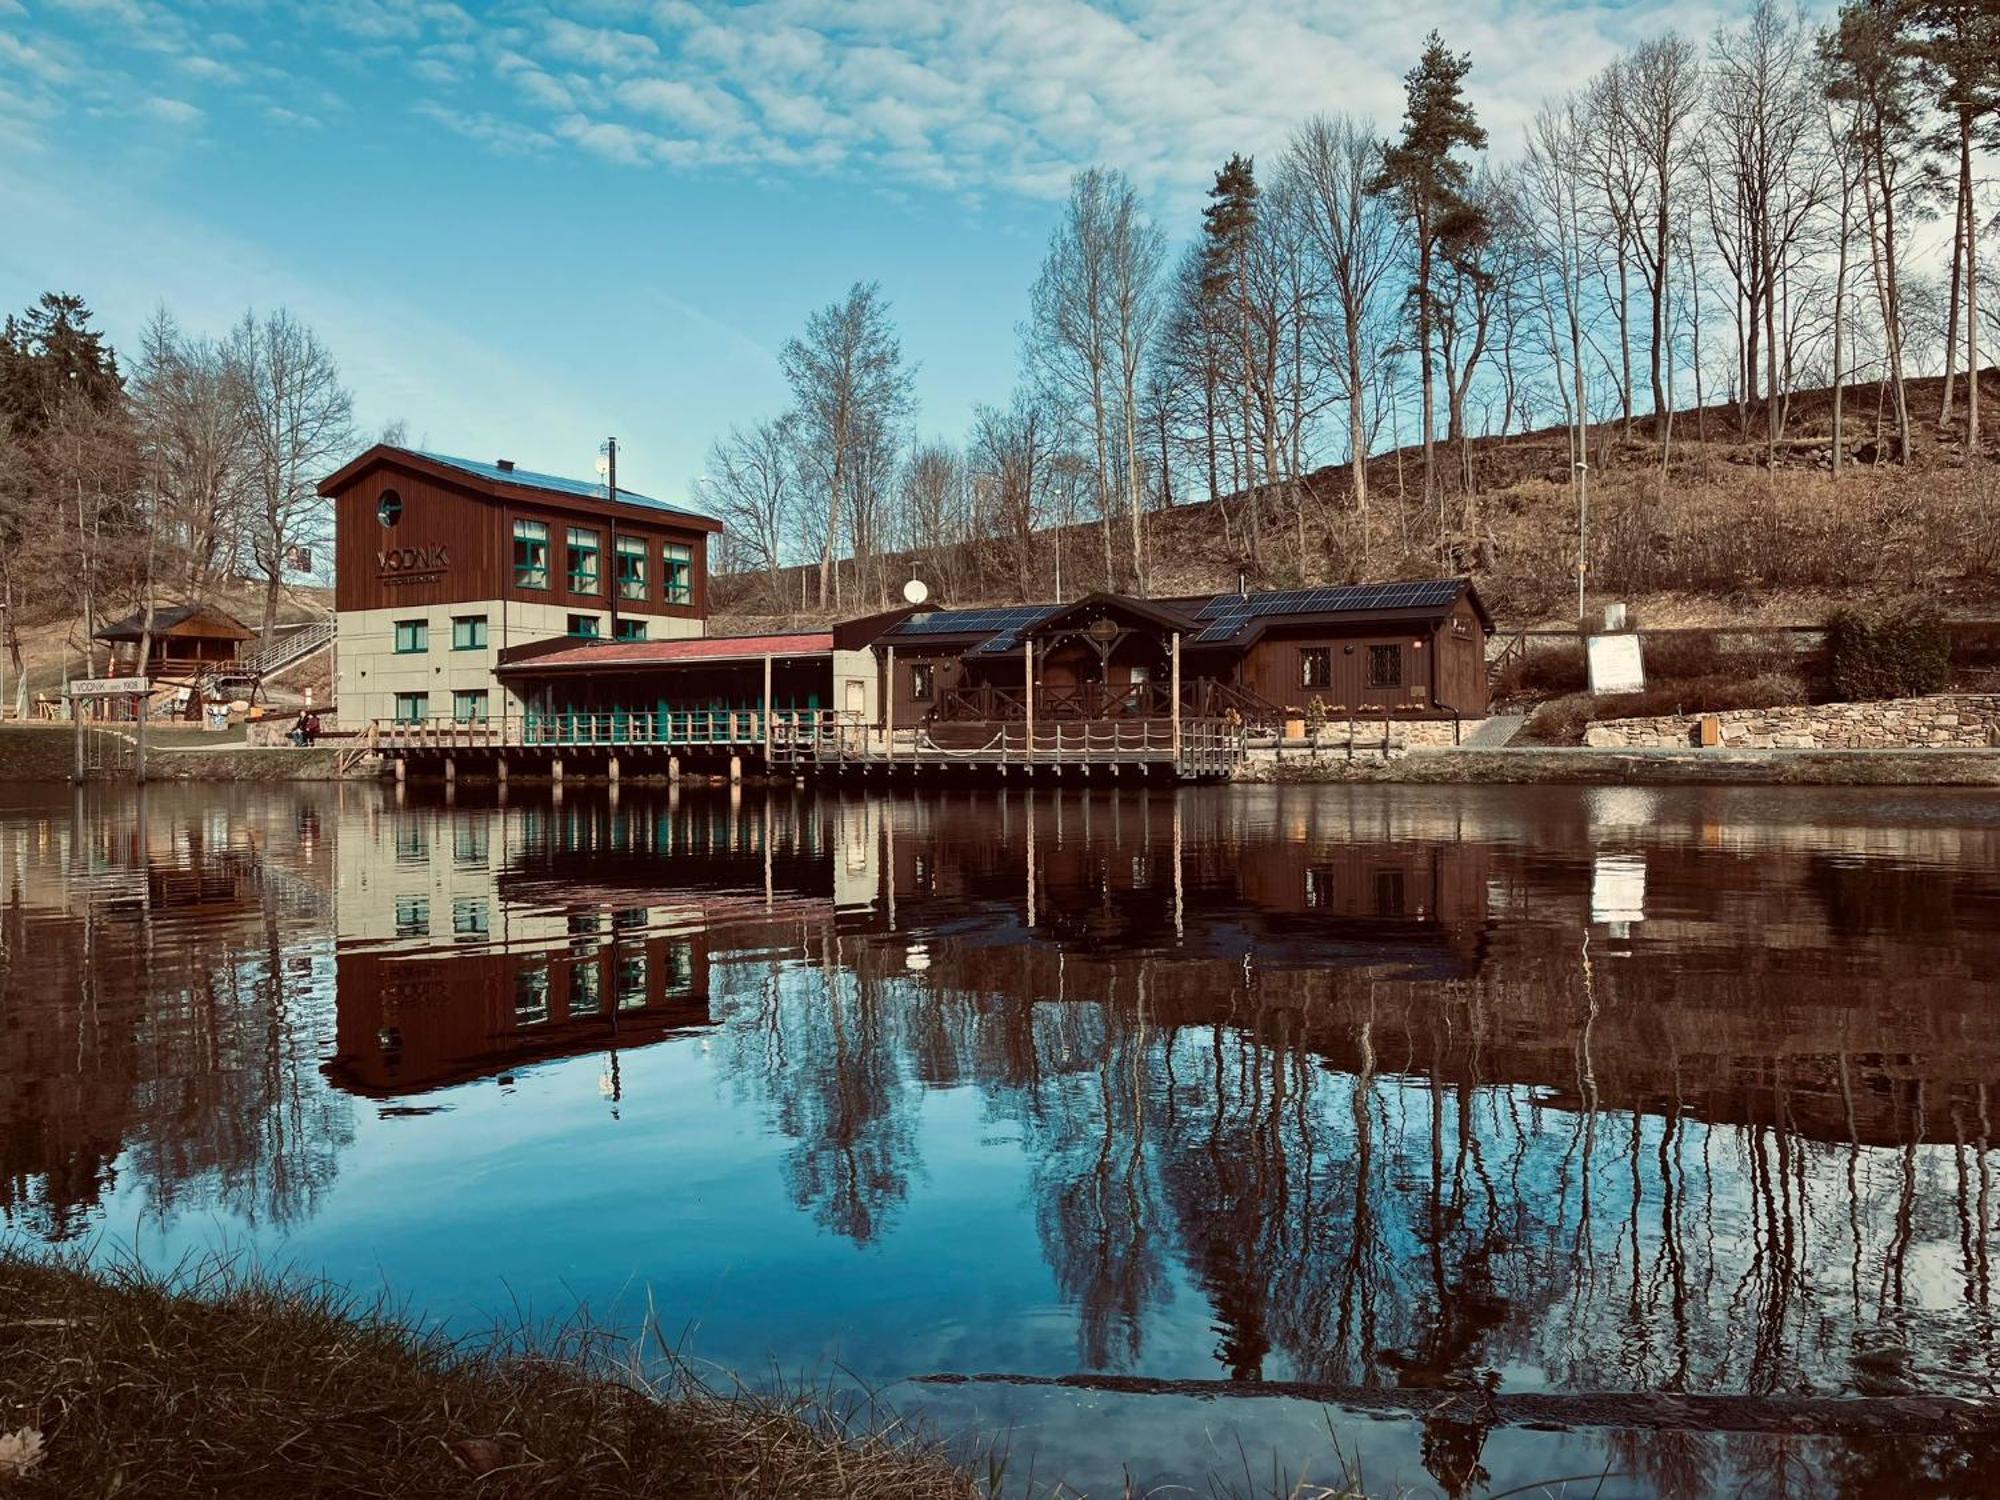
(814, 743)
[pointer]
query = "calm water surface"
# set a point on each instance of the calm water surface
(1401, 1089)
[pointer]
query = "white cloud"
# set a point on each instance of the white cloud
(172, 111)
(599, 47)
(974, 97)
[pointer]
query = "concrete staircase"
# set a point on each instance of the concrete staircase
(1495, 733)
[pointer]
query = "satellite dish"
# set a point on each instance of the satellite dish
(916, 591)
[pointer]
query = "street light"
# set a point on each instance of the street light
(1582, 525)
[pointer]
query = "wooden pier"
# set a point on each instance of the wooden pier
(806, 743)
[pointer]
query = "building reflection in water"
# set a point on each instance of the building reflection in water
(1439, 1092)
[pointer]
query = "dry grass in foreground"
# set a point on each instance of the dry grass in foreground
(218, 1381)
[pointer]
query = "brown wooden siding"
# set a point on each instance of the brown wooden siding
(478, 532)
(1446, 671)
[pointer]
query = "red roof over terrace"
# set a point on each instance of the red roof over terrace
(564, 655)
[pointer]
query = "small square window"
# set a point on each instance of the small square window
(468, 703)
(412, 708)
(412, 636)
(468, 632)
(1315, 667)
(1385, 666)
(469, 918)
(584, 627)
(631, 630)
(413, 916)
(923, 681)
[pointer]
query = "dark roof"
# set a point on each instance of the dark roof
(1228, 619)
(492, 474)
(948, 626)
(167, 617)
(1214, 619)
(586, 489)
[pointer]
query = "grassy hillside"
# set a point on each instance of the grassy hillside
(1721, 529)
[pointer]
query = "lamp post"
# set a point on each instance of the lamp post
(607, 466)
(1582, 531)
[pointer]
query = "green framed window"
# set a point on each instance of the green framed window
(468, 632)
(582, 545)
(631, 567)
(531, 996)
(470, 918)
(631, 630)
(468, 703)
(585, 627)
(412, 636)
(412, 708)
(531, 555)
(586, 988)
(677, 573)
(413, 916)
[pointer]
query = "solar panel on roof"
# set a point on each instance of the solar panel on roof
(1227, 614)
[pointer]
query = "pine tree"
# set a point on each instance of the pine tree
(49, 356)
(1431, 183)
(1228, 226)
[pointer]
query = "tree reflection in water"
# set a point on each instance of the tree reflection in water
(1458, 1092)
(162, 990)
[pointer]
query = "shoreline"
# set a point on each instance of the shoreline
(44, 755)
(215, 1378)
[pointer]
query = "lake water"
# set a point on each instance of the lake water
(1402, 1092)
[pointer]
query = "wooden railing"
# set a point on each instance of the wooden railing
(609, 729)
(1197, 747)
(1201, 698)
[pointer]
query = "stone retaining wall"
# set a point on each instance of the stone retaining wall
(1948, 721)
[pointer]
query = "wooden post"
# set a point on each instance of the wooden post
(76, 722)
(674, 769)
(1028, 695)
(555, 770)
(402, 769)
(767, 712)
(1174, 696)
(889, 706)
(500, 770)
(611, 769)
(735, 770)
(450, 770)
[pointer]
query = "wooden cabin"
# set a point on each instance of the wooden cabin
(1406, 650)
(189, 641)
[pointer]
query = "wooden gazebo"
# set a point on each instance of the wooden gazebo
(189, 642)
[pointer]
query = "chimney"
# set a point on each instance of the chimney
(505, 465)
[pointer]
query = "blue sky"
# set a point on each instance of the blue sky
(523, 226)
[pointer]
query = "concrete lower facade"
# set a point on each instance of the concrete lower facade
(373, 679)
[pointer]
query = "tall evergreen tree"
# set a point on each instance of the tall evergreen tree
(1429, 179)
(1229, 227)
(50, 355)
(1957, 47)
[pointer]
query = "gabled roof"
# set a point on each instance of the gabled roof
(496, 479)
(167, 618)
(1238, 619)
(697, 651)
(1215, 620)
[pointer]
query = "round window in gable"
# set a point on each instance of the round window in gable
(389, 509)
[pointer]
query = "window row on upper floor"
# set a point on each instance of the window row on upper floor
(633, 563)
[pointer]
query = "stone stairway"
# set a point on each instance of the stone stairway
(1495, 732)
